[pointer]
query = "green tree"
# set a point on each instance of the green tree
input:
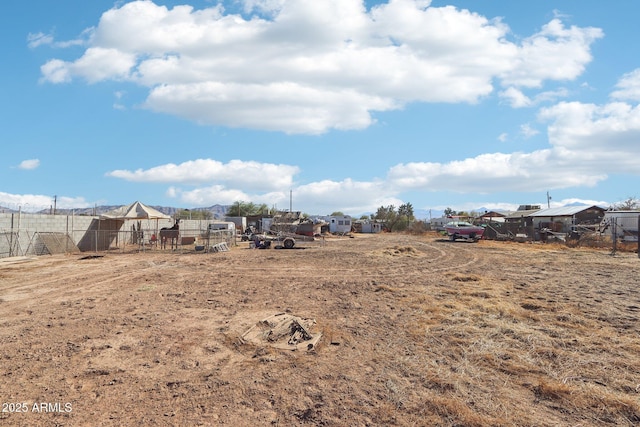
(475, 214)
(235, 209)
(337, 213)
(406, 211)
(194, 214)
(405, 216)
(395, 219)
(262, 209)
(449, 212)
(387, 215)
(242, 208)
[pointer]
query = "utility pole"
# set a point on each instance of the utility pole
(290, 200)
(55, 203)
(548, 200)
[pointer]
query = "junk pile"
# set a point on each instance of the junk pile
(284, 331)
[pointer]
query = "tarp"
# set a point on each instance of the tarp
(135, 210)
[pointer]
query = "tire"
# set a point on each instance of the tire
(288, 243)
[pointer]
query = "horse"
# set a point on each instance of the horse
(170, 233)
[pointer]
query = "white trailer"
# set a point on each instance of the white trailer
(338, 224)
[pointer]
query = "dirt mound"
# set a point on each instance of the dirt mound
(408, 251)
(283, 331)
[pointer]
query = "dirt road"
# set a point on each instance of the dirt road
(415, 331)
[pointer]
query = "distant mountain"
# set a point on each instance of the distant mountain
(97, 210)
(575, 204)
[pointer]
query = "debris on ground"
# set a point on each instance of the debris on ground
(283, 331)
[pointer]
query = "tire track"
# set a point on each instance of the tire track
(451, 260)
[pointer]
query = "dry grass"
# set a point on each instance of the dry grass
(416, 331)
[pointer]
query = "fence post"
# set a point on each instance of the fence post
(614, 235)
(11, 238)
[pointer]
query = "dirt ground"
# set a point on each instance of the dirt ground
(414, 330)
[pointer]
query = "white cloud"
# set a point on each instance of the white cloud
(587, 142)
(527, 131)
(119, 95)
(100, 63)
(486, 174)
(628, 87)
(316, 197)
(292, 108)
(209, 195)
(264, 6)
(226, 183)
(236, 173)
(496, 172)
(38, 39)
(602, 138)
(315, 66)
(515, 98)
(56, 71)
(29, 164)
(554, 53)
(35, 40)
(550, 96)
(351, 196)
(37, 202)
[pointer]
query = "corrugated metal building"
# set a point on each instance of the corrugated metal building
(567, 218)
(520, 221)
(557, 220)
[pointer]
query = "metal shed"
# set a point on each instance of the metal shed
(567, 218)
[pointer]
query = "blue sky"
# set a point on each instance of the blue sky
(349, 105)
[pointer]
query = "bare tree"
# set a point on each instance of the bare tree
(630, 204)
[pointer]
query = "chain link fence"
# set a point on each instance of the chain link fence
(25, 242)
